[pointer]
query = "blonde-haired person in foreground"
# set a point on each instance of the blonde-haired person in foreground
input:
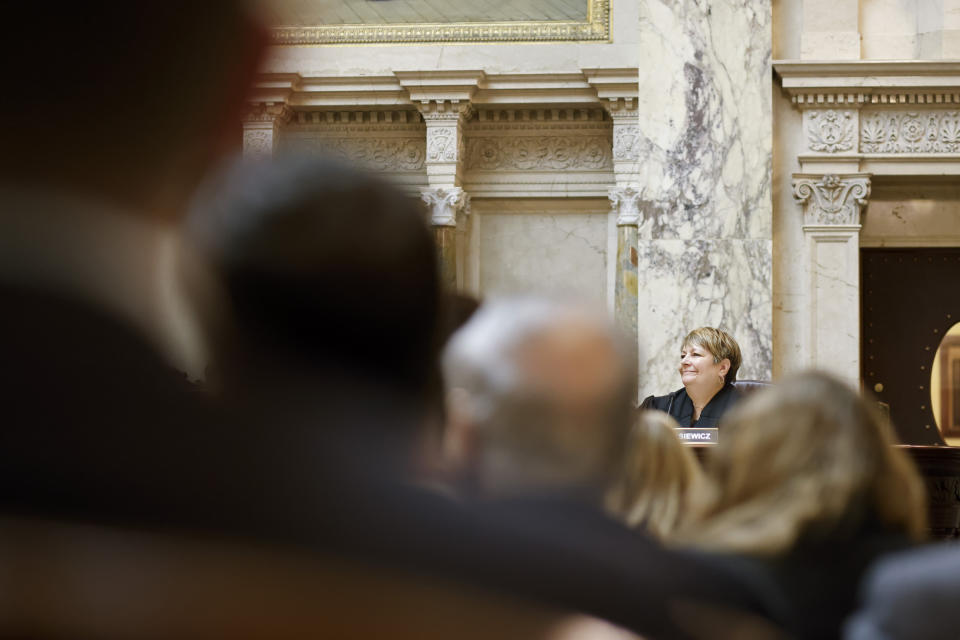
(657, 477)
(807, 492)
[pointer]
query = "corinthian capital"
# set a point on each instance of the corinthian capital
(626, 202)
(832, 199)
(445, 203)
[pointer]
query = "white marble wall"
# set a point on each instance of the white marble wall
(552, 246)
(705, 122)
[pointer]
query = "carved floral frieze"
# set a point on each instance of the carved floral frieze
(910, 132)
(379, 154)
(540, 153)
(831, 130)
(831, 199)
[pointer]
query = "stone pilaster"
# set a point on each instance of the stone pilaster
(445, 120)
(832, 205)
(261, 126)
(447, 206)
(626, 134)
(626, 206)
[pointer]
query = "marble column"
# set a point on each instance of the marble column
(261, 126)
(445, 120)
(447, 206)
(625, 201)
(831, 227)
(705, 233)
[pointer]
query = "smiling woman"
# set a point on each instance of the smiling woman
(709, 360)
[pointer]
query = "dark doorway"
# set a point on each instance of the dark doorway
(910, 299)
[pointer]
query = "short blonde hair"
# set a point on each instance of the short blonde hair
(808, 456)
(658, 475)
(720, 344)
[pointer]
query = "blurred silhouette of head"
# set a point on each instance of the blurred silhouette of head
(658, 476)
(539, 398)
(131, 101)
(330, 271)
(806, 459)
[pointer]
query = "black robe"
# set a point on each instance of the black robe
(679, 405)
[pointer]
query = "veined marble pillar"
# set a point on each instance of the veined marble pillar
(446, 205)
(261, 125)
(625, 201)
(445, 120)
(705, 234)
(831, 228)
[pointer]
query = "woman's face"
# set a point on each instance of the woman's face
(698, 368)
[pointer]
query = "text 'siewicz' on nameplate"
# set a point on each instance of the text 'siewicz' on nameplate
(698, 436)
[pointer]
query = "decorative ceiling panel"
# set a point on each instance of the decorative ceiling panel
(463, 21)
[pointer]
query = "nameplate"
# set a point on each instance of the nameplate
(698, 436)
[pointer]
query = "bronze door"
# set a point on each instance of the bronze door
(910, 299)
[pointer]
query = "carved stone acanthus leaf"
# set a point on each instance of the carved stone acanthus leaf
(445, 203)
(625, 143)
(626, 203)
(378, 154)
(257, 143)
(538, 153)
(910, 132)
(831, 131)
(831, 199)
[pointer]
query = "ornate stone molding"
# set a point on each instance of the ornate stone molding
(445, 110)
(261, 122)
(530, 116)
(830, 199)
(445, 203)
(537, 153)
(445, 121)
(626, 140)
(833, 99)
(272, 113)
(626, 204)
(910, 132)
(595, 27)
(904, 115)
(385, 118)
(258, 143)
(831, 130)
(392, 154)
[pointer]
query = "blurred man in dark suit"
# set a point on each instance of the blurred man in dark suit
(120, 110)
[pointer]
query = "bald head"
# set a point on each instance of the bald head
(539, 396)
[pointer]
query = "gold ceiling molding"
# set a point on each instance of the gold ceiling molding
(595, 28)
